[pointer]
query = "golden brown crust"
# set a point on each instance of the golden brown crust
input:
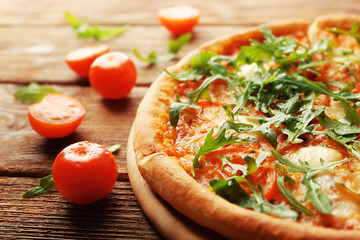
(173, 184)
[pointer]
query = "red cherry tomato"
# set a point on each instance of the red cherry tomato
(179, 19)
(56, 116)
(266, 177)
(81, 59)
(84, 172)
(113, 75)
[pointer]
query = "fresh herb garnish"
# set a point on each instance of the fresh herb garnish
(221, 140)
(85, 30)
(45, 186)
(231, 190)
(174, 47)
(33, 92)
(354, 31)
(314, 192)
(114, 148)
(290, 197)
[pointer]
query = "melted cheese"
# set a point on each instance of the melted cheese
(312, 155)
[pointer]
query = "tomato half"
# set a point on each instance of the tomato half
(179, 19)
(81, 59)
(113, 75)
(85, 172)
(266, 178)
(56, 116)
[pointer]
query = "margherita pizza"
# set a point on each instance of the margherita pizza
(256, 135)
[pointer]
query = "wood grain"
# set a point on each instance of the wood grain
(34, 38)
(41, 58)
(52, 217)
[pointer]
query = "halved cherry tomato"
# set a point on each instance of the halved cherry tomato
(113, 75)
(266, 178)
(81, 59)
(179, 19)
(84, 172)
(56, 116)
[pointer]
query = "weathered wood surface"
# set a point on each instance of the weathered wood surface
(34, 37)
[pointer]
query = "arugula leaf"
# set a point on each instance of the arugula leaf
(202, 90)
(347, 188)
(266, 126)
(338, 127)
(33, 92)
(199, 67)
(290, 197)
(85, 30)
(231, 190)
(211, 144)
(320, 88)
(304, 167)
(114, 148)
(354, 31)
(174, 47)
(235, 167)
(246, 170)
(176, 108)
(45, 186)
(316, 195)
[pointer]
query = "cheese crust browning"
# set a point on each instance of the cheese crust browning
(164, 155)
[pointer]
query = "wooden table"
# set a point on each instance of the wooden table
(34, 37)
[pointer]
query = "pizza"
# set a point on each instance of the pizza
(256, 135)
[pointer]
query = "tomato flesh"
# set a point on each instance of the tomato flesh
(56, 116)
(85, 172)
(179, 19)
(113, 75)
(81, 59)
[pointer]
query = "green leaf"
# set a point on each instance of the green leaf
(33, 92)
(174, 47)
(290, 197)
(45, 186)
(114, 148)
(354, 31)
(304, 167)
(85, 30)
(235, 167)
(338, 127)
(199, 67)
(231, 190)
(318, 198)
(198, 93)
(347, 188)
(211, 144)
(176, 108)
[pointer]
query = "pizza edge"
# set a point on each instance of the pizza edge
(175, 186)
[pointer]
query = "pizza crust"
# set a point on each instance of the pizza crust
(175, 186)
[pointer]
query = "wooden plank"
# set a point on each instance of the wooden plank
(37, 53)
(51, 216)
(24, 153)
(214, 12)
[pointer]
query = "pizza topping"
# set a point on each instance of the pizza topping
(288, 99)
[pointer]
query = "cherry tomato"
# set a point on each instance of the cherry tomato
(81, 59)
(179, 19)
(56, 116)
(84, 172)
(113, 75)
(266, 177)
